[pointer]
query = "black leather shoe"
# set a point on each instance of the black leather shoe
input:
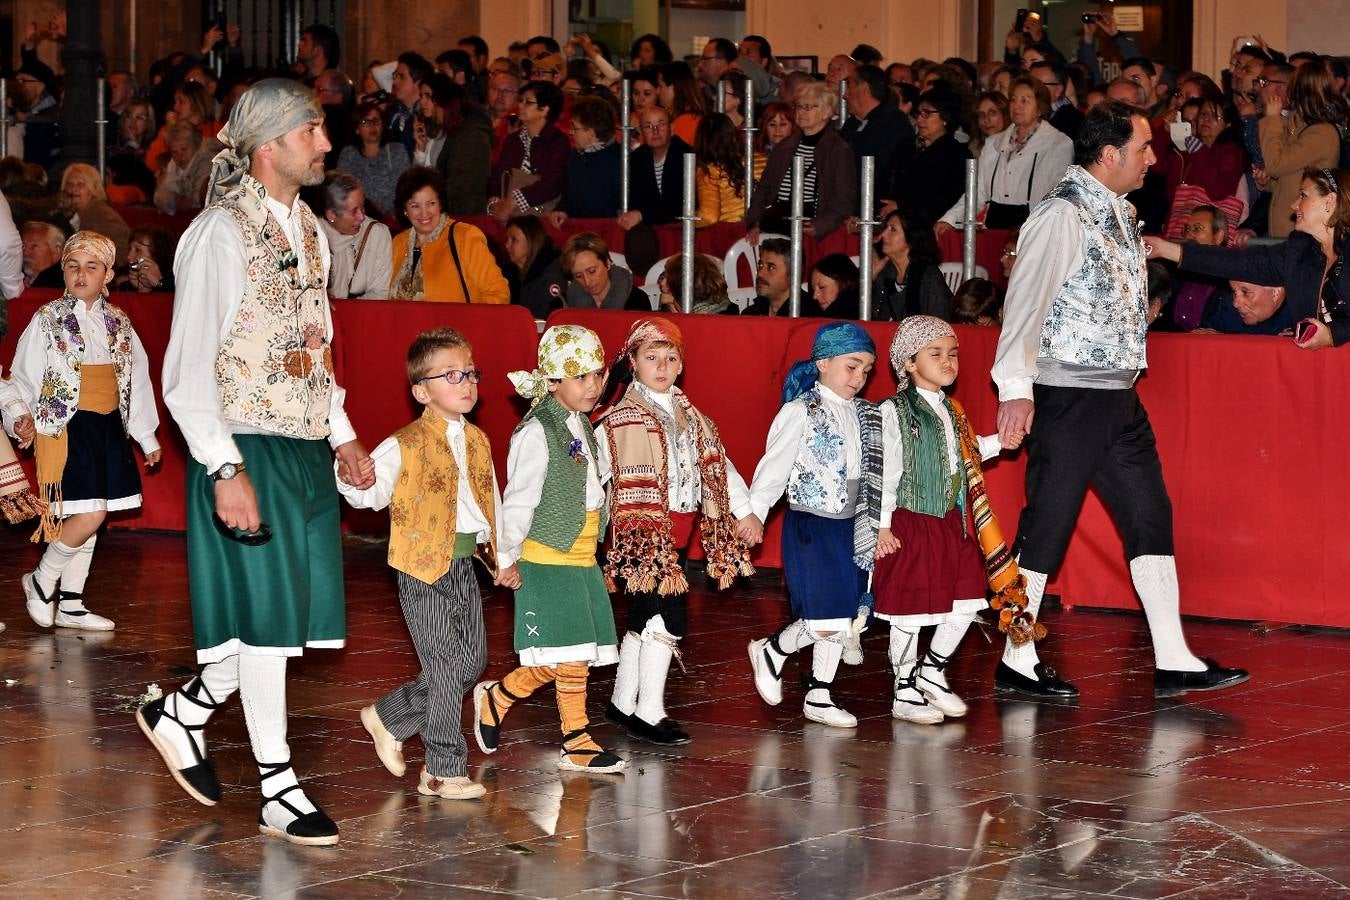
(666, 733)
(616, 715)
(1170, 683)
(1047, 685)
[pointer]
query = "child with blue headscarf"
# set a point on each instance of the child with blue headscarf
(824, 448)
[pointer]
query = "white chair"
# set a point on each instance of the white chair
(951, 273)
(653, 292)
(743, 250)
(619, 260)
(655, 272)
(742, 297)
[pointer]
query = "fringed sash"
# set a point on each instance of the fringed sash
(642, 552)
(1005, 580)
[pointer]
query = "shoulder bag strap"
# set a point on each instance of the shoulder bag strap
(360, 251)
(454, 254)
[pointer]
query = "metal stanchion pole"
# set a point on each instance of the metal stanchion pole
(843, 102)
(625, 132)
(719, 98)
(795, 263)
(968, 235)
(101, 124)
(748, 112)
(865, 225)
(4, 117)
(688, 221)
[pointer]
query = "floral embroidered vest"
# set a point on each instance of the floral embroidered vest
(426, 496)
(59, 396)
(275, 365)
(819, 477)
(1100, 316)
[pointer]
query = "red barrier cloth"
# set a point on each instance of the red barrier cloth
(136, 216)
(1254, 467)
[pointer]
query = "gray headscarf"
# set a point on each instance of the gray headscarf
(266, 111)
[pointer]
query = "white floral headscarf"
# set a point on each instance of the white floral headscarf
(565, 351)
(914, 333)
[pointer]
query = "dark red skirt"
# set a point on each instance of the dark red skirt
(936, 566)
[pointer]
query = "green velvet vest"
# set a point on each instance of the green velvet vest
(927, 485)
(562, 507)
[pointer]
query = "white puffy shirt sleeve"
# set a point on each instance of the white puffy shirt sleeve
(989, 446)
(142, 416)
(892, 462)
(388, 459)
(11, 252)
(780, 453)
(1049, 250)
(526, 469)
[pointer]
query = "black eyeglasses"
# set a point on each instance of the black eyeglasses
(455, 376)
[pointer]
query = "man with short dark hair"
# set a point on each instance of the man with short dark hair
(757, 47)
(1063, 114)
(477, 49)
(1071, 350)
(541, 45)
(875, 127)
(771, 281)
(718, 54)
(409, 73)
(319, 49)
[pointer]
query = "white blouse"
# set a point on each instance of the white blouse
(784, 444)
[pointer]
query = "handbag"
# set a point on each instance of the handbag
(518, 179)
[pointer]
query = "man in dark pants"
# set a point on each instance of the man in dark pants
(1071, 349)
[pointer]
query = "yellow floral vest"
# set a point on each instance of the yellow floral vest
(275, 366)
(426, 494)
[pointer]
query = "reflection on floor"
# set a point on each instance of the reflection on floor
(1242, 794)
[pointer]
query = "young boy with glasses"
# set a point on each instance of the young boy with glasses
(436, 477)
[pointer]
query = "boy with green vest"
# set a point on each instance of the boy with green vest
(436, 477)
(553, 514)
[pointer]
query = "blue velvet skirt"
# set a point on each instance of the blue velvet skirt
(822, 581)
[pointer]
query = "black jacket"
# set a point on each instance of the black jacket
(658, 205)
(541, 289)
(924, 292)
(927, 182)
(885, 129)
(592, 188)
(760, 307)
(1068, 120)
(1298, 264)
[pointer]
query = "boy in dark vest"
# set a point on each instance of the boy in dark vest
(436, 477)
(553, 514)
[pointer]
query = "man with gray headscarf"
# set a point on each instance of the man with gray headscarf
(248, 377)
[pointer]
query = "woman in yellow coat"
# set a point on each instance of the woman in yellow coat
(720, 177)
(440, 259)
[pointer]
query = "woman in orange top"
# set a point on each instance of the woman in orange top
(678, 92)
(440, 259)
(720, 177)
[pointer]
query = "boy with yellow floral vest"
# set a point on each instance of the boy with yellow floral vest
(436, 477)
(553, 514)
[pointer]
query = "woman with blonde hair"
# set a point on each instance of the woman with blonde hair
(710, 286)
(86, 202)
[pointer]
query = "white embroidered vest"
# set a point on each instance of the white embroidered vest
(819, 479)
(1100, 316)
(59, 395)
(275, 366)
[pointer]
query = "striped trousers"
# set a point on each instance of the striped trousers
(445, 620)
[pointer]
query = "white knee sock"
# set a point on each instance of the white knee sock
(625, 696)
(1155, 580)
(946, 639)
(658, 647)
(1023, 659)
(825, 656)
(53, 564)
(77, 570)
(791, 639)
(904, 655)
(262, 690)
(214, 686)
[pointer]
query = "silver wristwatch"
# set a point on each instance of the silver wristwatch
(227, 471)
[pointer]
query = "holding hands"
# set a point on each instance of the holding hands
(750, 530)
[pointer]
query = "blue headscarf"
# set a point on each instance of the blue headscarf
(834, 339)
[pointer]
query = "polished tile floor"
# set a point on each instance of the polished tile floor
(1241, 794)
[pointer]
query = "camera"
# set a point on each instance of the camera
(1089, 18)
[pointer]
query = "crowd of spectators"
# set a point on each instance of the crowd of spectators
(534, 137)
